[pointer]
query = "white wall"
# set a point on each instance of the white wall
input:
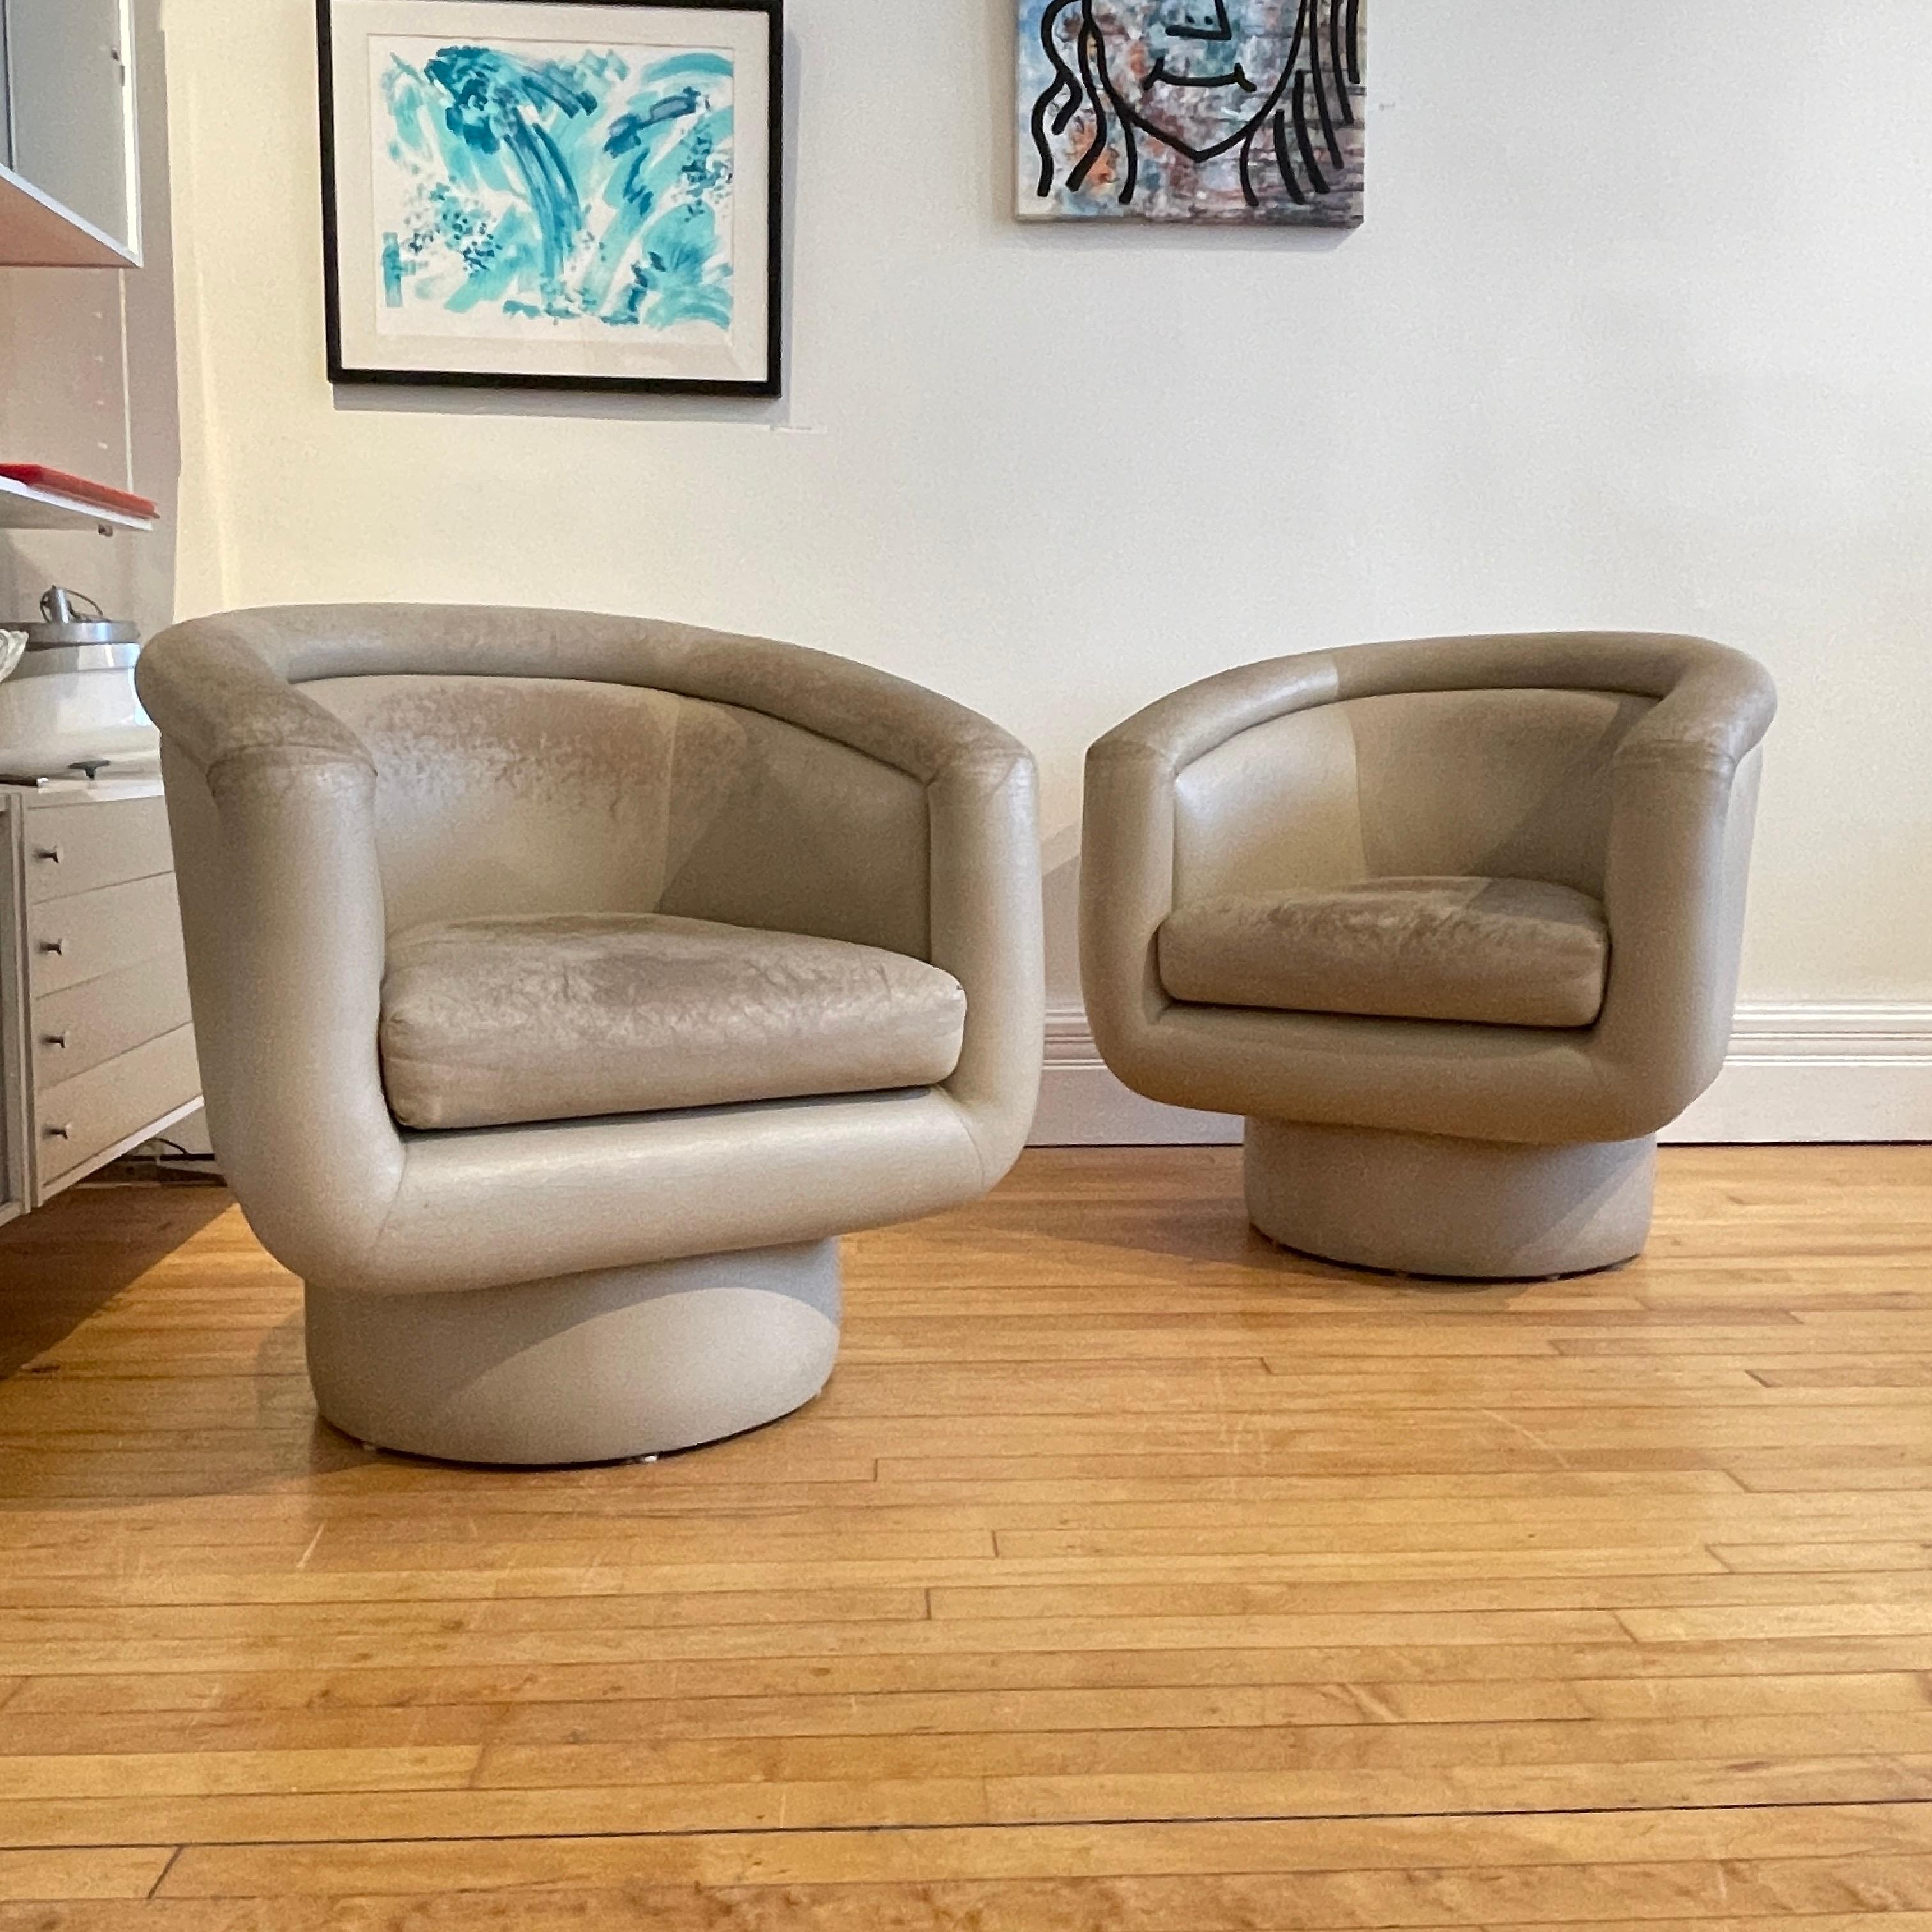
(1638, 333)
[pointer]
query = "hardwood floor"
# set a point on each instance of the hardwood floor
(1131, 1574)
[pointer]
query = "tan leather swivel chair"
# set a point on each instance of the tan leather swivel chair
(1455, 924)
(565, 985)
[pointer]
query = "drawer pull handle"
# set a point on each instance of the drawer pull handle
(51, 853)
(53, 946)
(65, 1133)
(59, 1039)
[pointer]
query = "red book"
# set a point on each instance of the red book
(96, 496)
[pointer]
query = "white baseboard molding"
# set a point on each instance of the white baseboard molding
(1796, 1072)
(1820, 1072)
(1082, 1104)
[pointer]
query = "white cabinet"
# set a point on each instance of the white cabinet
(69, 171)
(95, 1035)
(14, 1182)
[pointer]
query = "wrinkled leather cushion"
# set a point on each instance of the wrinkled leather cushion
(487, 1022)
(1501, 952)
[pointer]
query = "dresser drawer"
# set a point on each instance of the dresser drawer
(80, 1118)
(91, 934)
(79, 848)
(74, 1031)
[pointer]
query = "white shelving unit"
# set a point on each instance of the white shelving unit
(36, 232)
(70, 139)
(23, 508)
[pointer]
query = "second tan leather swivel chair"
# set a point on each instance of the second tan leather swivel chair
(565, 984)
(1454, 923)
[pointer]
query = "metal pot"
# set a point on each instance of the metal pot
(70, 707)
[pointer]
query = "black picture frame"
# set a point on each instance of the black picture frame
(770, 384)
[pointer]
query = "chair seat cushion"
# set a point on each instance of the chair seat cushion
(1499, 952)
(488, 1022)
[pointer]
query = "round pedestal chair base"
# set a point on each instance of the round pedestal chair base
(1419, 1203)
(590, 1368)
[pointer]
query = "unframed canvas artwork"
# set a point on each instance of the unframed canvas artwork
(1193, 110)
(538, 188)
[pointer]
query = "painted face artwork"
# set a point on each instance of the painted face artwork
(1197, 74)
(1193, 110)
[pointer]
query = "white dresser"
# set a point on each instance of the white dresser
(98, 1052)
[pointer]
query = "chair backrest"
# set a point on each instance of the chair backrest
(534, 795)
(1497, 783)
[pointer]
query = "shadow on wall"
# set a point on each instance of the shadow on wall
(1059, 866)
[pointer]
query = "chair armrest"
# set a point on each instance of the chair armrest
(1684, 807)
(1712, 719)
(1678, 866)
(282, 905)
(1128, 856)
(1127, 892)
(987, 918)
(271, 808)
(215, 698)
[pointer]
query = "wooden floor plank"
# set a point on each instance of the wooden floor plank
(1130, 1573)
(1557, 1846)
(97, 1872)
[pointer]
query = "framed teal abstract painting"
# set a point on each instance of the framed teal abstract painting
(552, 194)
(1193, 110)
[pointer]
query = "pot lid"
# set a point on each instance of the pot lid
(67, 618)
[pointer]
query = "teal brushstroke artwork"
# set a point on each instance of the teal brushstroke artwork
(526, 189)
